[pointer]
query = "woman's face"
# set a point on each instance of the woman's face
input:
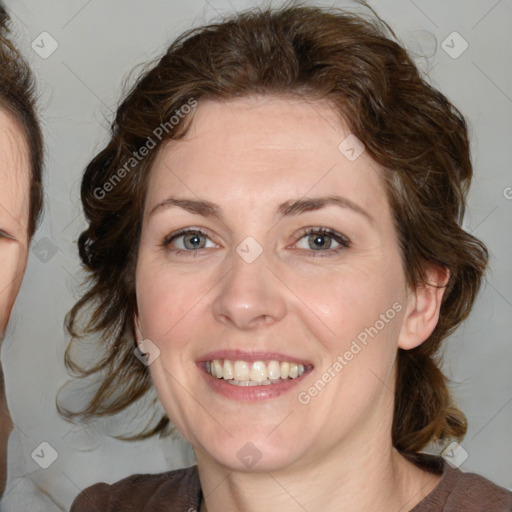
(14, 212)
(258, 292)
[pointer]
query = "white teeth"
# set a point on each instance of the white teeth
(218, 368)
(274, 370)
(227, 372)
(241, 371)
(250, 382)
(257, 373)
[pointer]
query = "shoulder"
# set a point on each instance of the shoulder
(173, 490)
(479, 492)
(470, 492)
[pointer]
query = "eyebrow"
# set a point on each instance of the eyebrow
(289, 208)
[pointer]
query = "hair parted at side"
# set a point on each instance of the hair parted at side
(18, 97)
(418, 137)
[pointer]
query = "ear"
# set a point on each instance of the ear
(423, 306)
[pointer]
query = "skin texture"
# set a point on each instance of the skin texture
(248, 156)
(14, 211)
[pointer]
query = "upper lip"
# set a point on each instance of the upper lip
(243, 355)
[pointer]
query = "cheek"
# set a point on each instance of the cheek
(361, 316)
(341, 305)
(12, 268)
(166, 298)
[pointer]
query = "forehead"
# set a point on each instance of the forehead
(264, 148)
(14, 173)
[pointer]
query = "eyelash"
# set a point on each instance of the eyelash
(342, 240)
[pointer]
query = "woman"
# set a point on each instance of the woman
(20, 191)
(275, 224)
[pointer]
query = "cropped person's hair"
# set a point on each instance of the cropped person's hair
(18, 98)
(418, 137)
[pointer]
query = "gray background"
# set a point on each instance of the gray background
(99, 43)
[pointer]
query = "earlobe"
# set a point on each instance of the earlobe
(423, 307)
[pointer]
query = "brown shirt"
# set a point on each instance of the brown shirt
(180, 491)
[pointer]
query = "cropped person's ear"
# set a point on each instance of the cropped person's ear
(423, 307)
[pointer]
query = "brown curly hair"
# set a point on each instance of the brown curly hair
(18, 97)
(418, 137)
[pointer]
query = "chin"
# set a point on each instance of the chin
(254, 453)
(250, 459)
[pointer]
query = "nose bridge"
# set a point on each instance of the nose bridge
(250, 294)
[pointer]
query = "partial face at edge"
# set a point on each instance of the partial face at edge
(304, 298)
(14, 213)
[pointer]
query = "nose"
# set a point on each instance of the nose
(250, 295)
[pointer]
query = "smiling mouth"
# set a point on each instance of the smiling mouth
(255, 373)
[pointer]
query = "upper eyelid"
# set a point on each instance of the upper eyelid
(340, 238)
(185, 231)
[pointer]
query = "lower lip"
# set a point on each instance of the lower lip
(250, 393)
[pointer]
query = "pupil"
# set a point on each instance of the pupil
(319, 240)
(194, 241)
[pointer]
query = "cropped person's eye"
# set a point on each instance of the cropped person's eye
(4, 234)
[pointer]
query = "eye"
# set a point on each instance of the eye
(320, 240)
(187, 240)
(4, 234)
(317, 240)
